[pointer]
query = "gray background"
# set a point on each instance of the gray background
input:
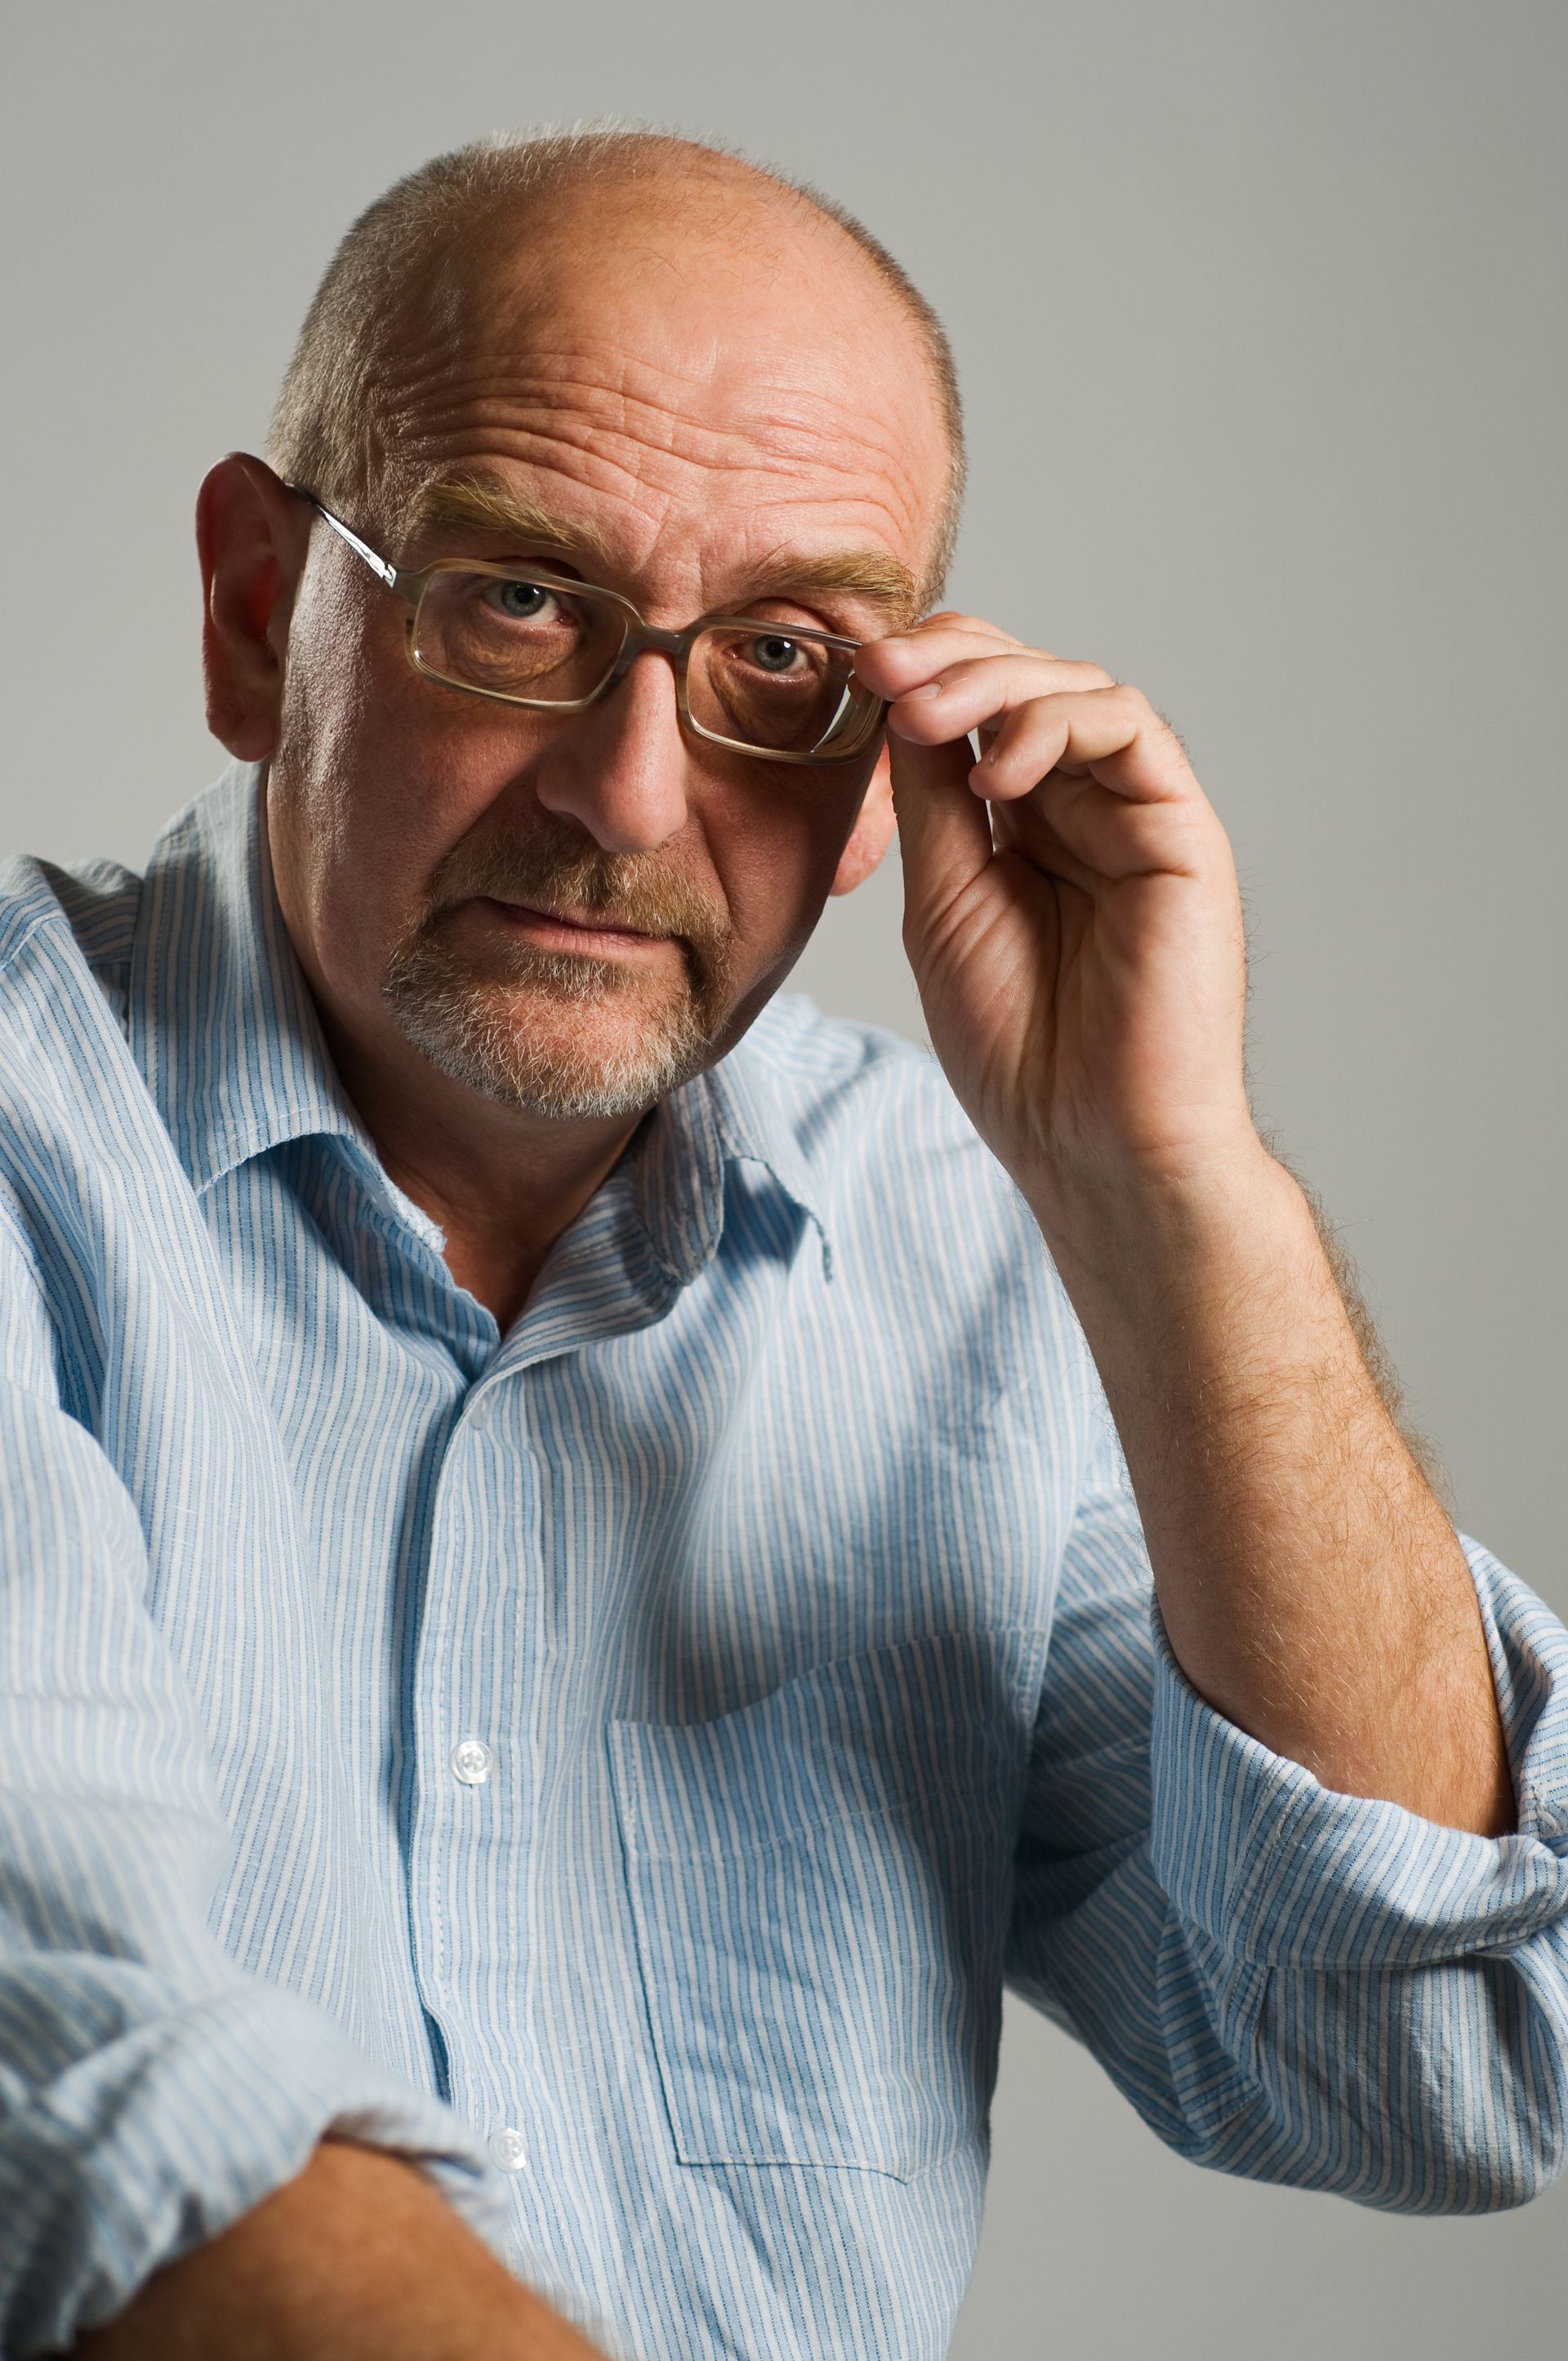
(1260, 315)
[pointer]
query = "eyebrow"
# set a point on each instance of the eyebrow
(477, 502)
(874, 576)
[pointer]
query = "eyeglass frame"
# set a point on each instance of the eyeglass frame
(641, 638)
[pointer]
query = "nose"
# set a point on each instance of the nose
(621, 770)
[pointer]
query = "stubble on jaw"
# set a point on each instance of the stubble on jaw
(554, 1033)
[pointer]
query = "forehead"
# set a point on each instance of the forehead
(707, 389)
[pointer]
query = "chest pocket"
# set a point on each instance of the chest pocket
(820, 1885)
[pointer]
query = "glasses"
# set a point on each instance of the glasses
(545, 641)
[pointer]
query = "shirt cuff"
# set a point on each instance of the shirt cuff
(1281, 1871)
(167, 2132)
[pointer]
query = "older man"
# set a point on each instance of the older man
(572, 1599)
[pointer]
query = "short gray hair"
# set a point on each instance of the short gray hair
(319, 434)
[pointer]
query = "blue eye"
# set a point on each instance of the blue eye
(774, 654)
(522, 602)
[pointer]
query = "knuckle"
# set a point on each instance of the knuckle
(1084, 674)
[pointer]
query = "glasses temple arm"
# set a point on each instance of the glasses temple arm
(379, 566)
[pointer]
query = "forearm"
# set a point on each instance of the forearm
(358, 2256)
(1312, 1586)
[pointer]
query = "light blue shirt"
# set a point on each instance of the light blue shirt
(620, 1762)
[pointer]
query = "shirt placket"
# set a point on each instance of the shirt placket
(471, 1723)
(477, 1708)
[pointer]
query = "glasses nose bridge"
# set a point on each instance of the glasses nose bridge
(648, 639)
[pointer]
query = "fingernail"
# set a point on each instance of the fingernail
(930, 688)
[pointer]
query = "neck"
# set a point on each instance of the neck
(502, 1184)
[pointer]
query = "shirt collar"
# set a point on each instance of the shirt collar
(752, 1111)
(727, 1115)
(224, 1027)
(221, 1018)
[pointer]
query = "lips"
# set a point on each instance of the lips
(590, 926)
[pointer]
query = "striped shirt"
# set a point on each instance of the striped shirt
(618, 1763)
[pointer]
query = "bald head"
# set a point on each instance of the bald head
(504, 228)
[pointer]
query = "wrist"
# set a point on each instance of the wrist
(1202, 1301)
(1145, 1230)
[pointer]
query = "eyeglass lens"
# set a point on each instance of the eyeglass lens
(780, 690)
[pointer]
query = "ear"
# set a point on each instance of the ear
(873, 832)
(251, 535)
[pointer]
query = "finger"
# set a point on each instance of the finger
(1072, 827)
(953, 619)
(944, 832)
(1115, 732)
(899, 662)
(1029, 831)
(979, 693)
(893, 665)
(896, 663)
(942, 616)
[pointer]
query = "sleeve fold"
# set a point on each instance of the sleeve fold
(150, 2090)
(1288, 1983)
(1283, 1872)
(165, 2129)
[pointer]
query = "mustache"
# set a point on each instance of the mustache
(556, 864)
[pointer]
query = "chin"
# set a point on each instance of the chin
(572, 1055)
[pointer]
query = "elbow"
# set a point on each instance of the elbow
(1498, 2177)
(1500, 2146)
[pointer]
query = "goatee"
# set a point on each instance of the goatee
(557, 1033)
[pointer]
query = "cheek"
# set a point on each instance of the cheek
(383, 768)
(358, 732)
(375, 778)
(777, 863)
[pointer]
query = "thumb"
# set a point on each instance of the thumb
(944, 828)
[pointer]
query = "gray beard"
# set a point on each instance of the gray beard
(473, 1023)
(465, 1027)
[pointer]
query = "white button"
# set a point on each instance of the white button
(471, 1760)
(507, 2149)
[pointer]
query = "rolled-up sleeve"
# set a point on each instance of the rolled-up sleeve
(150, 2092)
(1289, 1983)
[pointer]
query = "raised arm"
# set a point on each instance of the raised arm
(1073, 921)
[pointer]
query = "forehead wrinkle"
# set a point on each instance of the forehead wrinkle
(656, 487)
(594, 396)
(792, 425)
(657, 516)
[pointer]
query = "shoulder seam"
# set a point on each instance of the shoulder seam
(35, 927)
